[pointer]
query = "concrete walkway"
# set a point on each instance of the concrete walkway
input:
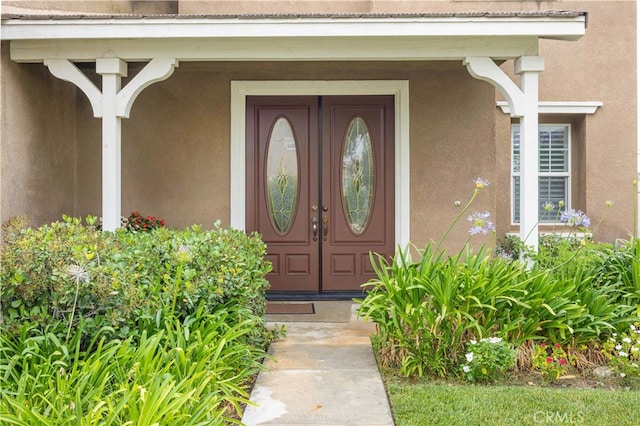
(322, 374)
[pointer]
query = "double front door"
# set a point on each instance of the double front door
(320, 187)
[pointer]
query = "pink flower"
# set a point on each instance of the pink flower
(562, 361)
(543, 345)
(557, 345)
(549, 359)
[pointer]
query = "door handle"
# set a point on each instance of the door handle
(325, 227)
(314, 228)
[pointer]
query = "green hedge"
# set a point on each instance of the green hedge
(57, 275)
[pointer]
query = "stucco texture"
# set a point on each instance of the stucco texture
(37, 144)
(175, 145)
(601, 66)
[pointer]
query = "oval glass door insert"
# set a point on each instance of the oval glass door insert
(282, 176)
(357, 175)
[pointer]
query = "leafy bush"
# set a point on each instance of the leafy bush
(137, 222)
(57, 275)
(623, 352)
(487, 359)
(573, 292)
(551, 360)
(158, 327)
(427, 311)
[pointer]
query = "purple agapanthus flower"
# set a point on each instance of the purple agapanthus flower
(575, 218)
(480, 183)
(480, 223)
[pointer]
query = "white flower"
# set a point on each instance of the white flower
(634, 365)
(495, 340)
(622, 375)
(626, 340)
(635, 349)
(466, 368)
(78, 273)
(473, 342)
(614, 334)
(633, 327)
(618, 347)
(624, 354)
(469, 356)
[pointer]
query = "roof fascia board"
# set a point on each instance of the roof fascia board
(553, 27)
(286, 49)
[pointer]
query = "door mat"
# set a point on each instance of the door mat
(320, 311)
(284, 308)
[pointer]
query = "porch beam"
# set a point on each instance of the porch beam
(399, 48)
(523, 104)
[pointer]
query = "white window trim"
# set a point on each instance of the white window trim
(398, 88)
(562, 107)
(567, 203)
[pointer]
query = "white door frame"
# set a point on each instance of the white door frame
(398, 88)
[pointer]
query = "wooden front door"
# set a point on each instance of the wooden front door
(320, 187)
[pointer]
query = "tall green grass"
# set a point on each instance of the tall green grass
(427, 310)
(193, 372)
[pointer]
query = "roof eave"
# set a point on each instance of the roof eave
(558, 27)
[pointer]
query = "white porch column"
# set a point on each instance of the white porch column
(112, 71)
(112, 104)
(523, 103)
(528, 68)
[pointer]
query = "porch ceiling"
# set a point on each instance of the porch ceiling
(287, 37)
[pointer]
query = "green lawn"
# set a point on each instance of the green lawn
(459, 404)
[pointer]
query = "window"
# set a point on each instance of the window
(553, 173)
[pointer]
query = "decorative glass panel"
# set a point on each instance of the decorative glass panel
(282, 176)
(357, 175)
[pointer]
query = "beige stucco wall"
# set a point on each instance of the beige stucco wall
(379, 6)
(37, 142)
(601, 66)
(176, 154)
(101, 6)
(176, 144)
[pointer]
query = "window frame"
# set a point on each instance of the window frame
(567, 174)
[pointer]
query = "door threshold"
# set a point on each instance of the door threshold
(299, 296)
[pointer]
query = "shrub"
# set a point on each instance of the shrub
(427, 310)
(137, 222)
(551, 360)
(623, 352)
(60, 274)
(487, 359)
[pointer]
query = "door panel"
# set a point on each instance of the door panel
(293, 253)
(345, 252)
(342, 171)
